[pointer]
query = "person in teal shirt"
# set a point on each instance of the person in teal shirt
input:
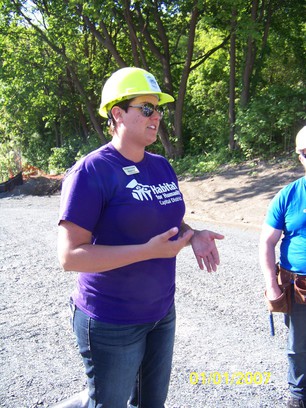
(286, 220)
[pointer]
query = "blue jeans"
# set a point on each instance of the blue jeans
(114, 354)
(296, 349)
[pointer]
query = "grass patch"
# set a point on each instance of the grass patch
(199, 165)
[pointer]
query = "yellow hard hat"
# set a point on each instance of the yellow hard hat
(127, 83)
(300, 141)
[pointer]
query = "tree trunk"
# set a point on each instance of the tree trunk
(249, 60)
(83, 122)
(170, 148)
(232, 83)
(178, 114)
(57, 132)
(266, 19)
(93, 118)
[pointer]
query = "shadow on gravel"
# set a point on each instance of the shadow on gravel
(259, 179)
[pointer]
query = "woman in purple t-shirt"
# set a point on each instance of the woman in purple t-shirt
(121, 227)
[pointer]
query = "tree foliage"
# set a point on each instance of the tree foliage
(235, 68)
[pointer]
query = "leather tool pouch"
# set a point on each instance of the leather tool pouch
(283, 303)
(300, 290)
(279, 305)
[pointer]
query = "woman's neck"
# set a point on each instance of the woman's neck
(128, 151)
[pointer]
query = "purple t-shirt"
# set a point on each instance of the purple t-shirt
(124, 203)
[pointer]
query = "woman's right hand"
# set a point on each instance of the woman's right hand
(161, 246)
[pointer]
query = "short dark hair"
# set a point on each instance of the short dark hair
(123, 105)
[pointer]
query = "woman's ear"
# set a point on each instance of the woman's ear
(117, 113)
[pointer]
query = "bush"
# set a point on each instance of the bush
(62, 158)
(36, 151)
(92, 144)
(197, 166)
(270, 122)
(10, 161)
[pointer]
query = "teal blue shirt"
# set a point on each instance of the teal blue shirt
(287, 212)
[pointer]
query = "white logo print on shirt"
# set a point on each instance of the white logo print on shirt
(165, 193)
(140, 191)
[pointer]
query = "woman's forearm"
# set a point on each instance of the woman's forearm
(76, 253)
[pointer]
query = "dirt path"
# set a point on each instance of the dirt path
(237, 195)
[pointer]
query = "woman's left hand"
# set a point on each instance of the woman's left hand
(205, 250)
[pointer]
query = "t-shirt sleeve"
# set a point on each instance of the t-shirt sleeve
(276, 212)
(81, 199)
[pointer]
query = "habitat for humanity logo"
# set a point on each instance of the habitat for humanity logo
(166, 193)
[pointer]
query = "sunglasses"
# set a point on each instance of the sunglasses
(147, 109)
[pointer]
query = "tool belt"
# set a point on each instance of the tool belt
(288, 281)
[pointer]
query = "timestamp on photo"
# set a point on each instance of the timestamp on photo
(227, 378)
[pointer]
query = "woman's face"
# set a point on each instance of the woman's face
(137, 128)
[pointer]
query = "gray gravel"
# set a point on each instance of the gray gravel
(222, 326)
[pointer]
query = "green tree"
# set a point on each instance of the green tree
(272, 103)
(47, 105)
(250, 80)
(156, 35)
(220, 60)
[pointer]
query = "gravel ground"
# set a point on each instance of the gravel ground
(224, 354)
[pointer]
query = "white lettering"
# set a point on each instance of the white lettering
(162, 188)
(175, 193)
(165, 202)
(175, 199)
